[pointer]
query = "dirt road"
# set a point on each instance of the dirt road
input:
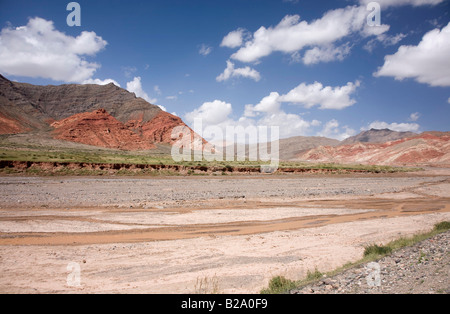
(195, 234)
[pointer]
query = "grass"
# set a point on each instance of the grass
(207, 285)
(376, 250)
(279, 285)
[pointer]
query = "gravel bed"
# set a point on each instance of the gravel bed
(61, 192)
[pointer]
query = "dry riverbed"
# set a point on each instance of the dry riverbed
(196, 234)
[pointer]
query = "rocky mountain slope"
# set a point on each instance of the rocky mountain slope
(377, 136)
(98, 128)
(104, 116)
(290, 148)
(426, 148)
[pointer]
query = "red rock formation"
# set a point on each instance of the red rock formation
(10, 126)
(157, 130)
(98, 128)
(426, 148)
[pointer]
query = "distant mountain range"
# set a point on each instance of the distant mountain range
(423, 149)
(109, 117)
(377, 136)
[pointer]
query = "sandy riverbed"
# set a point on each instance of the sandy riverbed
(177, 235)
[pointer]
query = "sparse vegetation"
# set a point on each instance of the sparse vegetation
(442, 226)
(375, 249)
(207, 285)
(311, 276)
(279, 284)
(39, 154)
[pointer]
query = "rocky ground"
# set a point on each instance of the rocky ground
(59, 192)
(423, 268)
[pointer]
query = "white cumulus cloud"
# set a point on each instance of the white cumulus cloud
(234, 39)
(326, 54)
(308, 96)
(231, 72)
(427, 63)
(211, 113)
(293, 34)
(326, 97)
(135, 86)
(268, 112)
(39, 50)
(218, 113)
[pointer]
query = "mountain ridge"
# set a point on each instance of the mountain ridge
(377, 136)
(426, 148)
(62, 111)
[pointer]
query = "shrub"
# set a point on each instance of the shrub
(313, 275)
(442, 226)
(279, 284)
(377, 250)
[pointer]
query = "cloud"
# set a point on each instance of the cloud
(393, 3)
(325, 97)
(392, 40)
(39, 50)
(399, 127)
(332, 130)
(234, 39)
(308, 96)
(135, 86)
(211, 113)
(157, 90)
(268, 105)
(129, 71)
(100, 82)
(290, 124)
(386, 40)
(427, 63)
(231, 71)
(205, 50)
(292, 34)
(268, 111)
(218, 113)
(414, 116)
(326, 54)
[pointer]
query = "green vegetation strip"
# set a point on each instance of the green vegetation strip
(143, 158)
(280, 285)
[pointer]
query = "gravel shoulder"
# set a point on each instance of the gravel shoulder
(423, 268)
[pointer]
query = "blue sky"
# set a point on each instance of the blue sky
(309, 67)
